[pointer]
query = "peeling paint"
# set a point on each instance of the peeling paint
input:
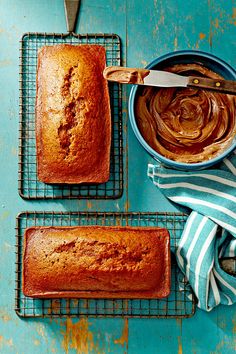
(4, 316)
(189, 18)
(162, 20)
(11, 111)
(220, 345)
(202, 35)
(155, 30)
(125, 334)
(180, 348)
(127, 205)
(78, 336)
(216, 23)
(234, 325)
(144, 62)
(4, 215)
(6, 342)
(5, 62)
(194, 345)
(52, 347)
(9, 342)
(13, 151)
(224, 345)
(40, 329)
(176, 43)
(221, 322)
(7, 247)
(179, 323)
(234, 16)
(89, 205)
(221, 22)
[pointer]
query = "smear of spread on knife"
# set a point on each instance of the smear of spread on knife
(183, 124)
(125, 75)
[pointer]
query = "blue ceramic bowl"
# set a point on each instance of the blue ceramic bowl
(183, 57)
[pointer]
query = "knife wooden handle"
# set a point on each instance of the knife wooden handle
(224, 86)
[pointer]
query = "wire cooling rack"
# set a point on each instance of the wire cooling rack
(180, 302)
(28, 185)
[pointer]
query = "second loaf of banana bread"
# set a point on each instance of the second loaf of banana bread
(96, 262)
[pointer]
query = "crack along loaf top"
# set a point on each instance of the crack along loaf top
(73, 120)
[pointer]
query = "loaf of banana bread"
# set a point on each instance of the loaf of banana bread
(73, 119)
(96, 262)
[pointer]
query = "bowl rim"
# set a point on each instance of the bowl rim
(148, 148)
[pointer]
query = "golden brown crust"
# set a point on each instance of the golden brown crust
(96, 262)
(73, 120)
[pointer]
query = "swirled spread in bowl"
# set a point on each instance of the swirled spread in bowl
(184, 124)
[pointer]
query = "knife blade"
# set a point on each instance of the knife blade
(164, 79)
(160, 78)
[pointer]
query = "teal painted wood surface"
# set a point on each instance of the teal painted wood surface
(147, 29)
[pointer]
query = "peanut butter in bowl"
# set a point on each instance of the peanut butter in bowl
(184, 124)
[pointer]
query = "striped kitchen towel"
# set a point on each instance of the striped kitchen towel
(209, 235)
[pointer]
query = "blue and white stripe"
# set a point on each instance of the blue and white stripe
(210, 231)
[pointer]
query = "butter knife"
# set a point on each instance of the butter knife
(159, 78)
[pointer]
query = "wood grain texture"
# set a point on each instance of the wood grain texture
(222, 86)
(148, 28)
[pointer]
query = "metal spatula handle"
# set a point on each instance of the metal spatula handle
(71, 11)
